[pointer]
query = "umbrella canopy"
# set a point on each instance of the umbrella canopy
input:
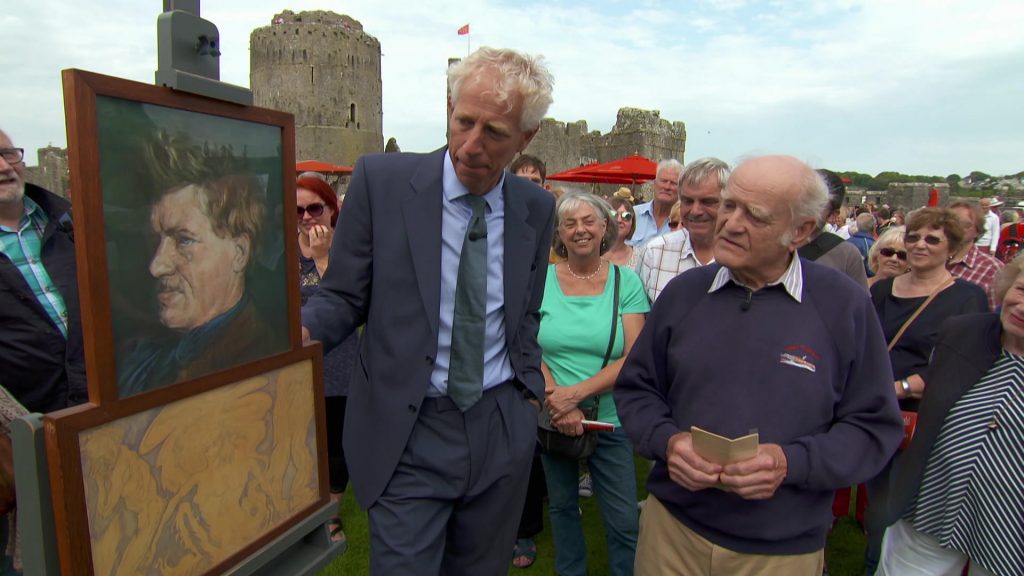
(324, 167)
(633, 169)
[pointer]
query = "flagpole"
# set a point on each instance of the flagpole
(468, 48)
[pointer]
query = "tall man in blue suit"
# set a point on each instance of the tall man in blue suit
(442, 256)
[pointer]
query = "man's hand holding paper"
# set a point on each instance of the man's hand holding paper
(686, 467)
(759, 477)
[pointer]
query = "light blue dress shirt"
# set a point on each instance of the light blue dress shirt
(455, 216)
(646, 226)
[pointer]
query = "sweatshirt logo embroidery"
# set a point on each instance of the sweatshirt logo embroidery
(800, 356)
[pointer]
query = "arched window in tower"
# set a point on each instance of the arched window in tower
(352, 112)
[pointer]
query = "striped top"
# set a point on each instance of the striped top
(971, 498)
(24, 248)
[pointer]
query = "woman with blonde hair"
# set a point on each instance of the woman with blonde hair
(887, 257)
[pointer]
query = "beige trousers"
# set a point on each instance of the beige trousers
(668, 547)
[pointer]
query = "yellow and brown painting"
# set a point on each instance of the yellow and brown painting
(179, 488)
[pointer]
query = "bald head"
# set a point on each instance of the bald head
(770, 207)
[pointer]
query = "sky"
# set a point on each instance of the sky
(930, 87)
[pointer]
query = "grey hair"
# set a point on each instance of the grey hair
(669, 163)
(865, 222)
(697, 172)
(571, 201)
(812, 200)
(519, 76)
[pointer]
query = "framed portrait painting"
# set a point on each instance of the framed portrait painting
(186, 261)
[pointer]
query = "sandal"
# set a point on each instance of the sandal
(524, 553)
(335, 530)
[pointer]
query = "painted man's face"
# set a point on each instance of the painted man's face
(201, 275)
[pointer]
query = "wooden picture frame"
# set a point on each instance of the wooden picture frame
(194, 485)
(140, 476)
(163, 297)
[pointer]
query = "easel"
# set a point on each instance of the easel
(188, 52)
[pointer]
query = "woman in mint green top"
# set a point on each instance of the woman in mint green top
(575, 327)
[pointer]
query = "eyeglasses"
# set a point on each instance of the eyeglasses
(12, 155)
(889, 253)
(625, 216)
(914, 238)
(315, 210)
(673, 224)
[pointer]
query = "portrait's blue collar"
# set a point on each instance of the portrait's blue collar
(453, 188)
(197, 338)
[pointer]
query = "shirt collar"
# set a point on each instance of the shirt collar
(454, 189)
(970, 259)
(792, 279)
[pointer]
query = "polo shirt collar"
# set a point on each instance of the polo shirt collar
(792, 279)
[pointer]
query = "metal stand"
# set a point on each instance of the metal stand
(188, 54)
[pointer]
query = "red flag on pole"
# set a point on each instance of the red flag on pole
(464, 30)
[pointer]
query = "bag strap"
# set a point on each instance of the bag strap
(939, 288)
(615, 319)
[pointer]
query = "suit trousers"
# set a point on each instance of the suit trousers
(453, 504)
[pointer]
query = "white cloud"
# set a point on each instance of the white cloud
(815, 78)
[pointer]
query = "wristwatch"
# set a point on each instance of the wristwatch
(906, 387)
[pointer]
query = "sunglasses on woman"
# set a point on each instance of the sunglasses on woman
(625, 216)
(315, 210)
(889, 253)
(914, 238)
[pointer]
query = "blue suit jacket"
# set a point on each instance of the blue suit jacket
(385, 271)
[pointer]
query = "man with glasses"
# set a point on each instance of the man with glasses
(969, 262)
(692, 245)
(40, 339)
(652, 217)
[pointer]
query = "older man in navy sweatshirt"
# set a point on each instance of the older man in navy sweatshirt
(760, 341)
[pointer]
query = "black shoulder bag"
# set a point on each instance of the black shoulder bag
(553, 442)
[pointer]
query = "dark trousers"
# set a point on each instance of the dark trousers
(455, 498)
(531, 522)
(338, 470)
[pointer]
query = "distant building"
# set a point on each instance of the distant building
(51, 172)
(323, 68)
(913, 195)
(568, 145)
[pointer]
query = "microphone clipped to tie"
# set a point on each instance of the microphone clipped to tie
(745, 305)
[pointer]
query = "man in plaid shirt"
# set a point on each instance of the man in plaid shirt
(969, 262)
(665, 257)
(41, 347)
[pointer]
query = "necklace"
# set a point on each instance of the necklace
(590, 276)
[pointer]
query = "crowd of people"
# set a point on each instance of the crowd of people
(465, 308)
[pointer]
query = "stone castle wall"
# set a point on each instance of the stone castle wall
(567, 145)
(913, 195)
(323, 68)
(51, 172)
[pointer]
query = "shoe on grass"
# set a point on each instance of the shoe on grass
(586, 485)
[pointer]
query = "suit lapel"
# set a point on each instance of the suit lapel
(421, 212)
(520, 249)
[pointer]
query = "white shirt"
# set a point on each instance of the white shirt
(664, 258)
(992, 230)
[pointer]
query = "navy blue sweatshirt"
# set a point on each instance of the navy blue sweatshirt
(813, 377)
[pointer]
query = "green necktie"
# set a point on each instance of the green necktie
(466, 369)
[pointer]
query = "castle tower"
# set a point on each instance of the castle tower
(323, 68)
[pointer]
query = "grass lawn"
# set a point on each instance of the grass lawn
(844, 554)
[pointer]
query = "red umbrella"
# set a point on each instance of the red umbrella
(324, 167)
(633, 169)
